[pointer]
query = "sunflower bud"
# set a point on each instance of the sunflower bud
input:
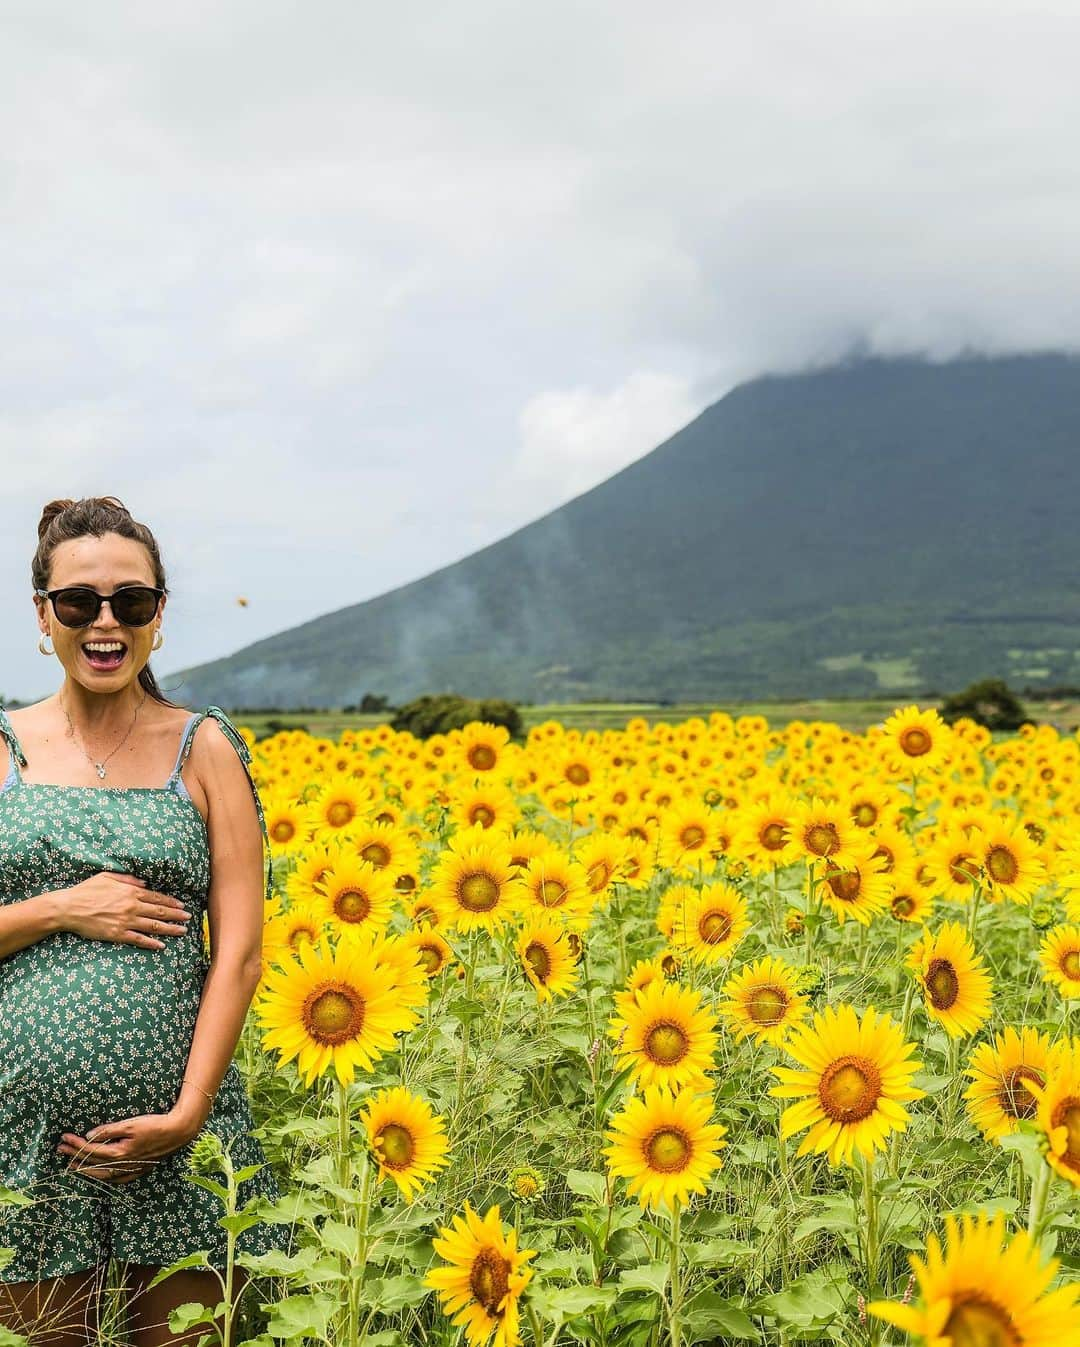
(525, 1184)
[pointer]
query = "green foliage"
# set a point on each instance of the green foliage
(991, 703)
(445, 711)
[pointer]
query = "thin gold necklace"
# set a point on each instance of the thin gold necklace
(99, 766)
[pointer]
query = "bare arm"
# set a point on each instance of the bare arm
(235, 915)
(26, 922)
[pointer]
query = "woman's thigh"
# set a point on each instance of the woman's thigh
(149, 1307)
(58, 1312)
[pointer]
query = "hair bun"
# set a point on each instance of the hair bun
(49, 513)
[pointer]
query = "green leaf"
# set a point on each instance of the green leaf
(465, 1010)
(587, 1184)
(395, 1293)
(248, 1172)
(813, 1300)
(339, 1237)
(190, 1313)
(1026, 1145)
(196, 1260)
(12, 1197)
(709, 1316)
(300, 1316)
(10, 1339)
(647, 1277)
(236, 1225)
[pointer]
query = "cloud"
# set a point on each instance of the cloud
(573, 439)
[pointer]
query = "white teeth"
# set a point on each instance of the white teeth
(104, 645)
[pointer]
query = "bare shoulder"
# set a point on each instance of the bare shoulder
(218, 769)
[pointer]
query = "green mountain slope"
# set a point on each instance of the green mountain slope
(884, 526)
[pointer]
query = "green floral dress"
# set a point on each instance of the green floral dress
(93, 1031)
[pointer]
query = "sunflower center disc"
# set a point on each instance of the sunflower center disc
(482, 814)
(845, 884)
(478, 893)
(339, 814)
(299, 935)
(766, 1005)
(1002, 865)
(599, 874)
(849, 1089)
(1070, 964)
(714, 927)
(577, 774)
(963, 868)
(772, 836)
(283, 831)
(943, 984)
(903, 906)
(821, 839)
(692, 837)
(352, 905)
(865, 814)
(376, 854)
(915, 742)
(333, 1014)
(525, 1185)
(405, 883)
(1014, 1097)
(396, 1146)
(668, 1150)
(538, 959)
(482, 757)
(489, 1279)
(977, 1323)
(882, 853)
(666, 1043)
(551, 893)
(1067, 1115)
(430, 959)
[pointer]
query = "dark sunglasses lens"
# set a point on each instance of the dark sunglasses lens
(75, 607)
(134, 607)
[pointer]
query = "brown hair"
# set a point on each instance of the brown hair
(63, 520)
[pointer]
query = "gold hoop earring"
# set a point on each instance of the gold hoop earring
(159, 640)
(41, 645)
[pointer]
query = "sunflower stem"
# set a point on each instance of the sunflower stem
(675, 1307)
(870, 1206)
(534, 1324)
(1040, 1191)
(357, 1279)
(976, 899)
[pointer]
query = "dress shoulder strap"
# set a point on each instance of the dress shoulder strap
(18, 757)
(238, 742)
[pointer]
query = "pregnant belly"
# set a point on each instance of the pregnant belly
(92, 1031)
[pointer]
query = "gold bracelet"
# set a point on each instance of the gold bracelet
(199, 1088)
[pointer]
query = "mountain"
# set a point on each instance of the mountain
(884, 526)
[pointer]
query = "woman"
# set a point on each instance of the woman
(116, 1033)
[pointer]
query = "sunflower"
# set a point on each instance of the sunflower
(689, 834)
(872, 804)
(407, 1138)
(286, 823)
(893, 846)
(386, 846)
(474, 882)
(1059, 955)
(555, 886)
(919, 738)
(285, 932)
(665, 1145)
(337, 1008)
(953, 864)
(341, 801)
(998, 1098)
(764, 1001)
(956, 986)
(525, 844)
(1058, 1113)
(1010, 861)
(484, 1277)
(856, 1079)
(546, 958)
(644, 974)
(666, 1037)
(355, 894)
(432, 952)
(602, 857)
(710, 923)
(480, 746)
(984, 1290)
(488, 804)
(859, 889)
(909, 900)
(823, 830)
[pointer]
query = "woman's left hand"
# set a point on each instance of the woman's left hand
(121, 1151)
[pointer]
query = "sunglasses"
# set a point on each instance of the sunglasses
(132, 606)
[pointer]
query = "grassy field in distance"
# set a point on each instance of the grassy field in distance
(852, 715)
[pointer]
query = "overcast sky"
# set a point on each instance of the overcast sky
(332, 294)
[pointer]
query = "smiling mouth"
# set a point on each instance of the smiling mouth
(104, 659)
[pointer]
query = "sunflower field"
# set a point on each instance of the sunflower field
(692, 1033)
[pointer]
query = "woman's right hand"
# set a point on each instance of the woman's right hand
(114, 906)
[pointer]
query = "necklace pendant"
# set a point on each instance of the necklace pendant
(100, 770)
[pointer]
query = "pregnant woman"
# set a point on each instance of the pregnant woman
(117, 1034)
